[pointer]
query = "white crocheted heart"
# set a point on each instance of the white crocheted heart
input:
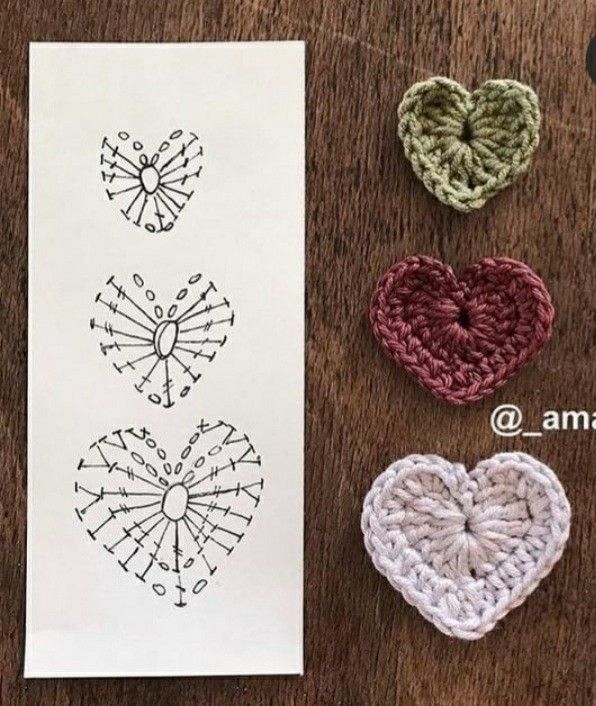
(466, 548)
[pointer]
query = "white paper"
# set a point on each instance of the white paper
(165, 359)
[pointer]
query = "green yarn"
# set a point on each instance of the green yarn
(466, 147)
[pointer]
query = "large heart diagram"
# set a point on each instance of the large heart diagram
(151, 187)
(167, 522)
(163, 346)
(465, 548)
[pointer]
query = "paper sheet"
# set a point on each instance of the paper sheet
(166, 329)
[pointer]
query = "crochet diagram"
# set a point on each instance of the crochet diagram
(169, 523)
(151, 189)
(163, 347)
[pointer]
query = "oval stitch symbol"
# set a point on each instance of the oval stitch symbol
(175, 502)
(164, 340)
(150, 179)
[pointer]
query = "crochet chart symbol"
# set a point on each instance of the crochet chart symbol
(169, 524)
(163, 348)
(466, 548)
(151, 189)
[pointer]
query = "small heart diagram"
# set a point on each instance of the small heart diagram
(466, 548)
(163, 346)
(169, 523)
(151, 188)
(461, 337)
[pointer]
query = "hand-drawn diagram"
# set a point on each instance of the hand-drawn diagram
(169, 524)
(163, 347)
(152, 191)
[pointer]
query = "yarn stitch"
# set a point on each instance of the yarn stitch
(466, 147)
(461, 338)
(466, 548)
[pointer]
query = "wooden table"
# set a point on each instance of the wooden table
(365, 209)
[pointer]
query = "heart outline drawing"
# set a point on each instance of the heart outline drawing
(466, 147)
(169, 524)
(151, 188)
(164, 347)
(466, 548)
(461, 337)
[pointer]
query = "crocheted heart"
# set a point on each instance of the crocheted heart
(151, 188)
(169, 523)
(162, 345)
(468, 146)
(461, 338)
(466, 548)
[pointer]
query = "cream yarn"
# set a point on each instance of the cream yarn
(466, 548)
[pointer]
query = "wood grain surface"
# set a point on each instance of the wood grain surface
(365, 208)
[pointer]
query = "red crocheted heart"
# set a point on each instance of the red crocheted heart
(462, 338)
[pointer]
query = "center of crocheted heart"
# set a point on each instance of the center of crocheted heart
(466, 133)
(463, 318)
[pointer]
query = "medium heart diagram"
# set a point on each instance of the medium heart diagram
(162, 346)
(151, 188)
(167, 522)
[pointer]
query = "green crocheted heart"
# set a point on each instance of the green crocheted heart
(465, 146)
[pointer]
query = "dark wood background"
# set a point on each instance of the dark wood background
(365, 209)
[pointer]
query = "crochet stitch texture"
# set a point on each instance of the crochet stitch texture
(461, 338)
(465, 147)
(466, 548)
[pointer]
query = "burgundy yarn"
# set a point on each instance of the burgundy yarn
(462, 338)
